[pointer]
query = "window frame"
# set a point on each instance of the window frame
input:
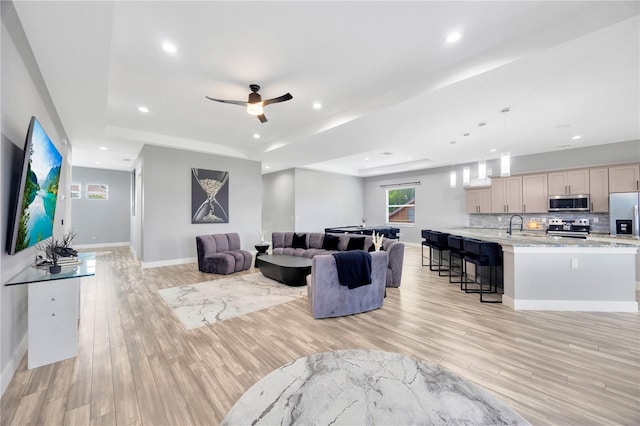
(387, 205)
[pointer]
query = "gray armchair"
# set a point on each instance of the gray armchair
(221, 254)
(330, 299)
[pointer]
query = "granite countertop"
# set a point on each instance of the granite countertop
(539, 238)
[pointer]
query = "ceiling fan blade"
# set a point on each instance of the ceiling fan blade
(282, 98)
(262, 118)
(225, 101)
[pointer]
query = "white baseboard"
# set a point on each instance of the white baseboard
(571, 305)
(169, 262)
(98, 245)
(12, 365)
(133, 252)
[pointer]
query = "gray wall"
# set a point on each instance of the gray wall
(23, 94)
(307, 200)
(102, 221)
(325, 200)
(439, 206)
(278, 202)
(166, 232)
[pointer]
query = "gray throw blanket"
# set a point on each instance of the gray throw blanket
(354, 268)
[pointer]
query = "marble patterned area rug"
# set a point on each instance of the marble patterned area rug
(364, 387)
(206, 303)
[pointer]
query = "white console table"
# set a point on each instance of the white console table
(54, 310)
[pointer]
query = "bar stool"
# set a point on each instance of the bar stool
(483, 254)
(425, 243)
(439, 243)
(456, 251)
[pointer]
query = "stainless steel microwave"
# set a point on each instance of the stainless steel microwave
(569, 203)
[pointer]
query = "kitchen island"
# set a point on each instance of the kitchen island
(563, 274)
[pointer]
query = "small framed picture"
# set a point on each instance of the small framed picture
(75, 192)
(97, 191)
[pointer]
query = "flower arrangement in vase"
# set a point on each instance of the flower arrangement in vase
(262, 233)
(377, 241)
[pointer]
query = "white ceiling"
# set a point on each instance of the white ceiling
(395, 94)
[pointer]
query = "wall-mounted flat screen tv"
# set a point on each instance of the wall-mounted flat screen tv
(35, 208)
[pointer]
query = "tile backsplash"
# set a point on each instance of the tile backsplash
(599, 221)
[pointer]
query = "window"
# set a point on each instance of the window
(401, 205)
(75, 192)
(97, 191)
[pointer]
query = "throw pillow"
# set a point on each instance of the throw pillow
(356, 243)
(299, 241)
(330, 242)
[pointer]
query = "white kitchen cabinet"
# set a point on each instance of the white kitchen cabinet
(624, 178)
(534, 193)
(568, 182)
(479, 200)
(599, 187)
(506, 195)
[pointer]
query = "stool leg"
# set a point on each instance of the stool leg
(490, 288)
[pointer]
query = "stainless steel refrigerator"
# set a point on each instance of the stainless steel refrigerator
(624, 218)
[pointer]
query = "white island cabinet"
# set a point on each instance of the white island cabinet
(564, 274)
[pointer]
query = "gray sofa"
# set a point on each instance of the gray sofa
(221, 254)
(328, 298)
(282, 243)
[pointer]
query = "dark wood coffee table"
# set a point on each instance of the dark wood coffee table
(289, 270)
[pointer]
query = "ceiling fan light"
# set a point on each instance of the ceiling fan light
(255, 109)
(505, 164)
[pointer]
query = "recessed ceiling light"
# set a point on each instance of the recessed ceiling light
(317, 105)
(97, 162)
(453, 37)
(366, 159)
(104, 148)
(492, 150)
(256, 135)
(576, 137)
(169, 47)
(143, 109)
(566, 145)
(409, 158)
(266, 167)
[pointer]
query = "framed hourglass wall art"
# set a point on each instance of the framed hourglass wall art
(209, 196)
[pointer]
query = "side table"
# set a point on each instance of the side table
(262, 250)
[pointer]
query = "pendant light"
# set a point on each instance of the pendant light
(482, 165)
(482, 170)
(505, 157)
(466, 172)
(453, 176)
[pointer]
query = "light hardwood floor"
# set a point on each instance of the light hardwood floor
(137, 365)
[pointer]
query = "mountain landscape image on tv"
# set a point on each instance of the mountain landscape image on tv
(39, 189)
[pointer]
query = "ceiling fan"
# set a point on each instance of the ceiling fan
(255, 103)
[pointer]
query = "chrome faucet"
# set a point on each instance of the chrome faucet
(510, 231)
